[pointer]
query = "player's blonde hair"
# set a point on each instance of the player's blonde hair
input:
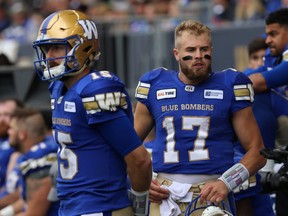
(192, 27)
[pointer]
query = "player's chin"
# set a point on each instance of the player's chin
(273, 51)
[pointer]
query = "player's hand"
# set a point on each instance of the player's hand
(214, 191)
(157, 193)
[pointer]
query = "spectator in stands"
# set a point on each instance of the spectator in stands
(271, 5)
(222, 11)
(4, 16)
(248, 10)
(143, 14)
(19, 22)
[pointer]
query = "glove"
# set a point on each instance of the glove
(139, 201)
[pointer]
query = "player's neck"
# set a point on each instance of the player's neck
(69, 81)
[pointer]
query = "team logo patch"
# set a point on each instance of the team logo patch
(69, 107)
(213, 94)
(189, 88)
(166, 93)
(59, 101)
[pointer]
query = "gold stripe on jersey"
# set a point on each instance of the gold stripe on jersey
(241, 92)
(244, 92)
(285, 56)
(123, 102)
(89, 104)
(142, 90)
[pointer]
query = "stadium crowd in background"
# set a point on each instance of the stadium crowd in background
(19, 19)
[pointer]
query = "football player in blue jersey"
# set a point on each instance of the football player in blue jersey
(197, 115)
(7, 106)
(267, 107)
(277, 41)
(5, 149)
(92, 123)
(274, 75)
(27, 134)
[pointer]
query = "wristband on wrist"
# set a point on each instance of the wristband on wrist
(139, 193)
(7, 211)
(139, 202)
(235, 176)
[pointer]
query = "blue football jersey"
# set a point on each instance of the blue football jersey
(194, 133)
(269, 61)
(5, 152)
(267, 107)
(37, 162)
(92, 173)
(276, 67)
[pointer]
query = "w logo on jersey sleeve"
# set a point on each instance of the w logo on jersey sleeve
(105, 102)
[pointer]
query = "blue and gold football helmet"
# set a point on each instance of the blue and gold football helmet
(209, 210)
(79, 35)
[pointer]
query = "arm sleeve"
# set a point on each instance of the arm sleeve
(120, 134)
(252, 71)
(278, 76)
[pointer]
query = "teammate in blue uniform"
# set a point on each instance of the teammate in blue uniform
(277, 41)
(27, 134)
(8, 155)
(92, 122)
(7, 106)
(197, 114)
(5, 153)
(267, 107)
(275, 75)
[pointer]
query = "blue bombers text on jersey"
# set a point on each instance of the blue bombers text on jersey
(194, 132)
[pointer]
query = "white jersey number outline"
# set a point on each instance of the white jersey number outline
(199, 151)
(71, 169)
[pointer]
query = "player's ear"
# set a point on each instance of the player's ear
(22, 134)
(176, 54)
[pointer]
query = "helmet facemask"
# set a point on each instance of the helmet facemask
(47, 68)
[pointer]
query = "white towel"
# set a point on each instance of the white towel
(178, 192)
